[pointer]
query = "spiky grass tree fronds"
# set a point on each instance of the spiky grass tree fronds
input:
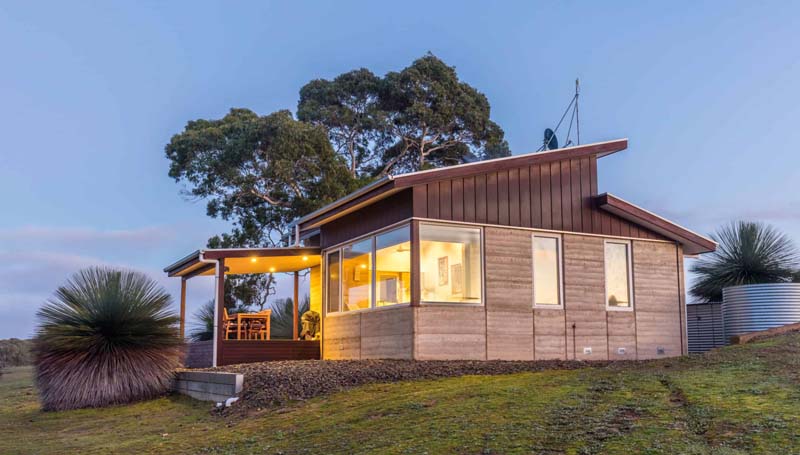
(282, 316)
(106, 337)
(748, 253)
(203, 329)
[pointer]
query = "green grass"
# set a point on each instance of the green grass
(744, 399)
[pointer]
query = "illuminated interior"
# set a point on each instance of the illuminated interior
(357, 275)
(393, 267)
(450, 264)
(546, 271)
(617, 275)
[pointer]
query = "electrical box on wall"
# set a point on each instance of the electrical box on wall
(587, 351)
(660, 351)
(621, 351)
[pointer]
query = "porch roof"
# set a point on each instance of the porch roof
(240, 261)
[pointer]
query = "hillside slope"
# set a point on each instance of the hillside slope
(741, 399)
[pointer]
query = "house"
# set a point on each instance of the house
(517, 258)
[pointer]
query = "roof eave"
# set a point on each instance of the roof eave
(692, 242)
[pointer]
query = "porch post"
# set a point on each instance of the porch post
(295, 305)
(183, 308)
(416, 291)
(220, 307)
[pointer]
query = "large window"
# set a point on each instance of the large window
(618, 275)
(393, 267)
(546, 270)
(450, 263)
(374, 272)
(357, 275)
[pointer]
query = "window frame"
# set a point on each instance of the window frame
(560, 266)
(482, 262)
(326, 275)
(339, 247)
(629, 247)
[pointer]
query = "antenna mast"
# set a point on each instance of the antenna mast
(577, 117)
(550, 141)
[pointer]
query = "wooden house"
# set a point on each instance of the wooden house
(517, 258)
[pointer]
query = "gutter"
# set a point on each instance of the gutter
(201, 258)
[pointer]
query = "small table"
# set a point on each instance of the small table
(241, 316)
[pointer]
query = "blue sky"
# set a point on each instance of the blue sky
(91, 92)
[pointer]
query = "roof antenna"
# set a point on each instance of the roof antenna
(550, 141)
(577, 117)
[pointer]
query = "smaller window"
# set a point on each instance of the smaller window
(333, 282)
(546, 270)
(618, 275)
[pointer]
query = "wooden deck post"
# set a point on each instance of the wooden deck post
(220, 297)
(295, 305)
(183, 308)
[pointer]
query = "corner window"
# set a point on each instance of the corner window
(357, 275)
(371, 272)
(618, 275)
(450, 263)
(393, 267)
(547, 271)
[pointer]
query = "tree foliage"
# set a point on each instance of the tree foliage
(15, 352)
(260, 172)
(347, 107)
(420, 117)
(748, 253)
(433, 119)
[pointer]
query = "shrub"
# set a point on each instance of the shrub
(15, 352)
(107, 337)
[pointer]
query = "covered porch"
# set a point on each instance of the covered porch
(231, 347)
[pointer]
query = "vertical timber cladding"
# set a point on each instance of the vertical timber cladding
(657, 300)
(556, 195)
(584, 298)
(509, 294)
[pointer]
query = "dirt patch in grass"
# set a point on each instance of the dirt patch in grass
(271, 384)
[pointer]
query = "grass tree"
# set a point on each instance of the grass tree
(107, 337)
(748, 253)
(282, 317)
(203, 329)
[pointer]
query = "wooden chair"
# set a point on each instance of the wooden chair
(259, 329)
(230, 325)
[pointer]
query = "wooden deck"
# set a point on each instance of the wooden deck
(249, 351)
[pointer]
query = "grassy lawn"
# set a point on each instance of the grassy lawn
(744, 399)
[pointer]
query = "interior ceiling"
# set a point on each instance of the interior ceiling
(268, 264)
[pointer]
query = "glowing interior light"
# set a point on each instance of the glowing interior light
(253, 259)
(272, 269)
(363, 266)
(305, 258)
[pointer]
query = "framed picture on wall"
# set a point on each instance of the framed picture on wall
(457, 272)
(443, 271)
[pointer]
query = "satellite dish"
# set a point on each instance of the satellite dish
(550, 140)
